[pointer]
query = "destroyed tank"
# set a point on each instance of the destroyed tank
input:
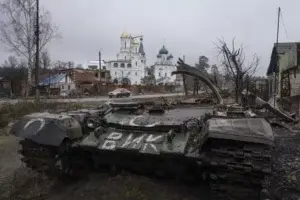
(187, 142)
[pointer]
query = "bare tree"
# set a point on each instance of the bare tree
(215, 75)
(45, 60)
(234, 62)
(11, 62)
(17, 29)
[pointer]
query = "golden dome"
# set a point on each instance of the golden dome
(124, 35)
(135, 42)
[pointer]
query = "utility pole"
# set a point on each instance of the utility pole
(277, 58)
(100, 69)
(37, 54)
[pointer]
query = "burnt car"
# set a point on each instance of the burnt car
(119, 92)
(232, 156)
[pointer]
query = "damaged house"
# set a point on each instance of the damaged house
(287, 82)
(67, 80)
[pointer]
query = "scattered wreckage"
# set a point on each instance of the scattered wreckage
(230, 148)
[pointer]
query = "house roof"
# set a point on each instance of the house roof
(84, 76)
(53, 79)
(279, 49)
(273, 62)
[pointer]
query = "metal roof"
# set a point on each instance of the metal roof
(52, 79)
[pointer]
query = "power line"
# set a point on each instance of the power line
(284, 26)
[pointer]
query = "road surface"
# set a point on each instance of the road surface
(93, 99)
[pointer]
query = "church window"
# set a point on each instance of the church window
(122, 65)
(115, 73)
(125, 57)
(136, 73)
(129, 65)
(159, 74)
(125, 47)
(165, 74)
(115, 64)
(136, 63)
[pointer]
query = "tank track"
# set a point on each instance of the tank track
(237, 170)
(39, 158)
(54, 161)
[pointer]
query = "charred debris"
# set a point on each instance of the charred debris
(233, 150)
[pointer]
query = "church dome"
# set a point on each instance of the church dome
(170, 56)
(163, 50)
(124, 35)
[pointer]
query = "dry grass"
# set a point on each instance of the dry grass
(10, 112)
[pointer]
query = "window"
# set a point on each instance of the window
(129, 65)
(122, 65)
(165, 74)
(136, 73)
(102, 74)
(125, 46)
(96, 75)
(62, 87)
(115, 64)
(115, 73)
(159, 74)
(125, 57)
(128, 73)
(1, 85)
(122, 73)
(69, 87)
(136, 63)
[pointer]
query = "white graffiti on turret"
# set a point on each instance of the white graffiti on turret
(114, 137)
(150, 138)
(151, 145)
(42, 124)
(109, 145)
(134, 142)
(132, 122)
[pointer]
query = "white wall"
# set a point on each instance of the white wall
(165, 71)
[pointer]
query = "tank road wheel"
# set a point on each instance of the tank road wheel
(48, 160)
(63, 160)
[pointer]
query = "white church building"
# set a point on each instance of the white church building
(163, 67)
(129, 67)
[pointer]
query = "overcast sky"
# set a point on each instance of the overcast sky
(186, 27)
